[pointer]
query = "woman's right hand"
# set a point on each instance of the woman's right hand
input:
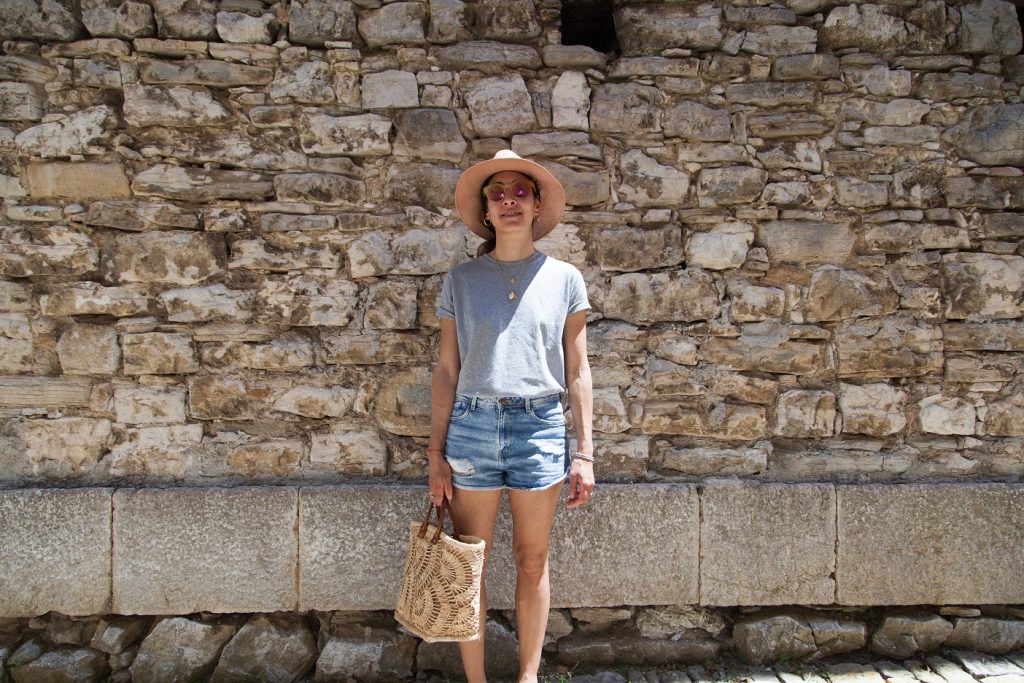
(440, 481)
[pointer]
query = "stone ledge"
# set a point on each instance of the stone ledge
(633, 545)
(54, 551)
(930, 544)
(264, 549)
(358, 566)
(767, 544)
(178, 551)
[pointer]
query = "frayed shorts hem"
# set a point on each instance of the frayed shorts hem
(542, 487)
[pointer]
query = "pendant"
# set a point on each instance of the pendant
(511, 296)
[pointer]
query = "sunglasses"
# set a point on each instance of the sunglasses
(520, 189)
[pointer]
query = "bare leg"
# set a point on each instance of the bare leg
(532, 515)
(475, 512)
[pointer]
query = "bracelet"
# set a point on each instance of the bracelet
(435, 450)
(582, 456)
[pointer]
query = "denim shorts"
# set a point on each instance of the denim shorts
(515, 443)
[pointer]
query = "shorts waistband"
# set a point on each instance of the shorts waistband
(508, 401)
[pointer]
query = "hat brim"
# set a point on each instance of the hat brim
(469, 195)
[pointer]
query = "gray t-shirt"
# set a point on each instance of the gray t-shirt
(512, 346)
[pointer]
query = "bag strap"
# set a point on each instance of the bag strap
(442, 509)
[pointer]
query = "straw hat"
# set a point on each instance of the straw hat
(469, 193)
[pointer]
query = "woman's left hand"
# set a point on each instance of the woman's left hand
(581, 482)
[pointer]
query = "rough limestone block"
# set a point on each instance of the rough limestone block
(693, 121)
(65, 446)
(724, 246)
(500, 106)
(78, 664)
(278, 648)
(582, 188)
(661, 297)
(362, 135)
(512, 21)
(645, 182)
(983, 286)
(54, 551)
(110, 18)
(648, 29)
(783, 636)
(53, 250)
(178, 551)
(622, 249)
(86, 180)
(989, 27)
(930, 544)
(399, 22)
(366, 652)
(806, 242)
(449, 21)
(625, 108)
(939, 414)
(88, 350)
(358, 566)
(901, 636)
(303, 82)
(43, 21)
(570, 101)
(314, 21)
(805, 414)
(185, 19)
(180, 649)
(390, 89)
(991, 134)
(987, 634)
(74, 134)
(488, 56)
(875, 409)
(236, 27)
(177, 107)
(768, 544)
(429, 134)
(837, 294)
(21, 102)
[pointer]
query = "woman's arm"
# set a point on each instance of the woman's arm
(442, 395)
(581, 402)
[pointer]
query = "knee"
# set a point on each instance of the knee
(532, 566)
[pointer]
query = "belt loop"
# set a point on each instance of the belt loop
(529, 404)
(472, 403)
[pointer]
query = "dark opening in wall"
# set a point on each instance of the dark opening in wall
(590, 23)
(1020, 18)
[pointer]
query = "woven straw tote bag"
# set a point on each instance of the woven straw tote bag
(440, 597)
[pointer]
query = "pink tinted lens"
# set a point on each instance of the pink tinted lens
(497, 191)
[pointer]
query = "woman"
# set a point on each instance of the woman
(513, 339)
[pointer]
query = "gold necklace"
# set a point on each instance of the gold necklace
(511, 275)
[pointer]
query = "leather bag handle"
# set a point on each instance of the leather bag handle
(444, 508)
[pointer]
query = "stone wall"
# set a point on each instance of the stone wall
(225, 228)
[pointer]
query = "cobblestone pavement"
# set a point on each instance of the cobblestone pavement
(952, 666)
